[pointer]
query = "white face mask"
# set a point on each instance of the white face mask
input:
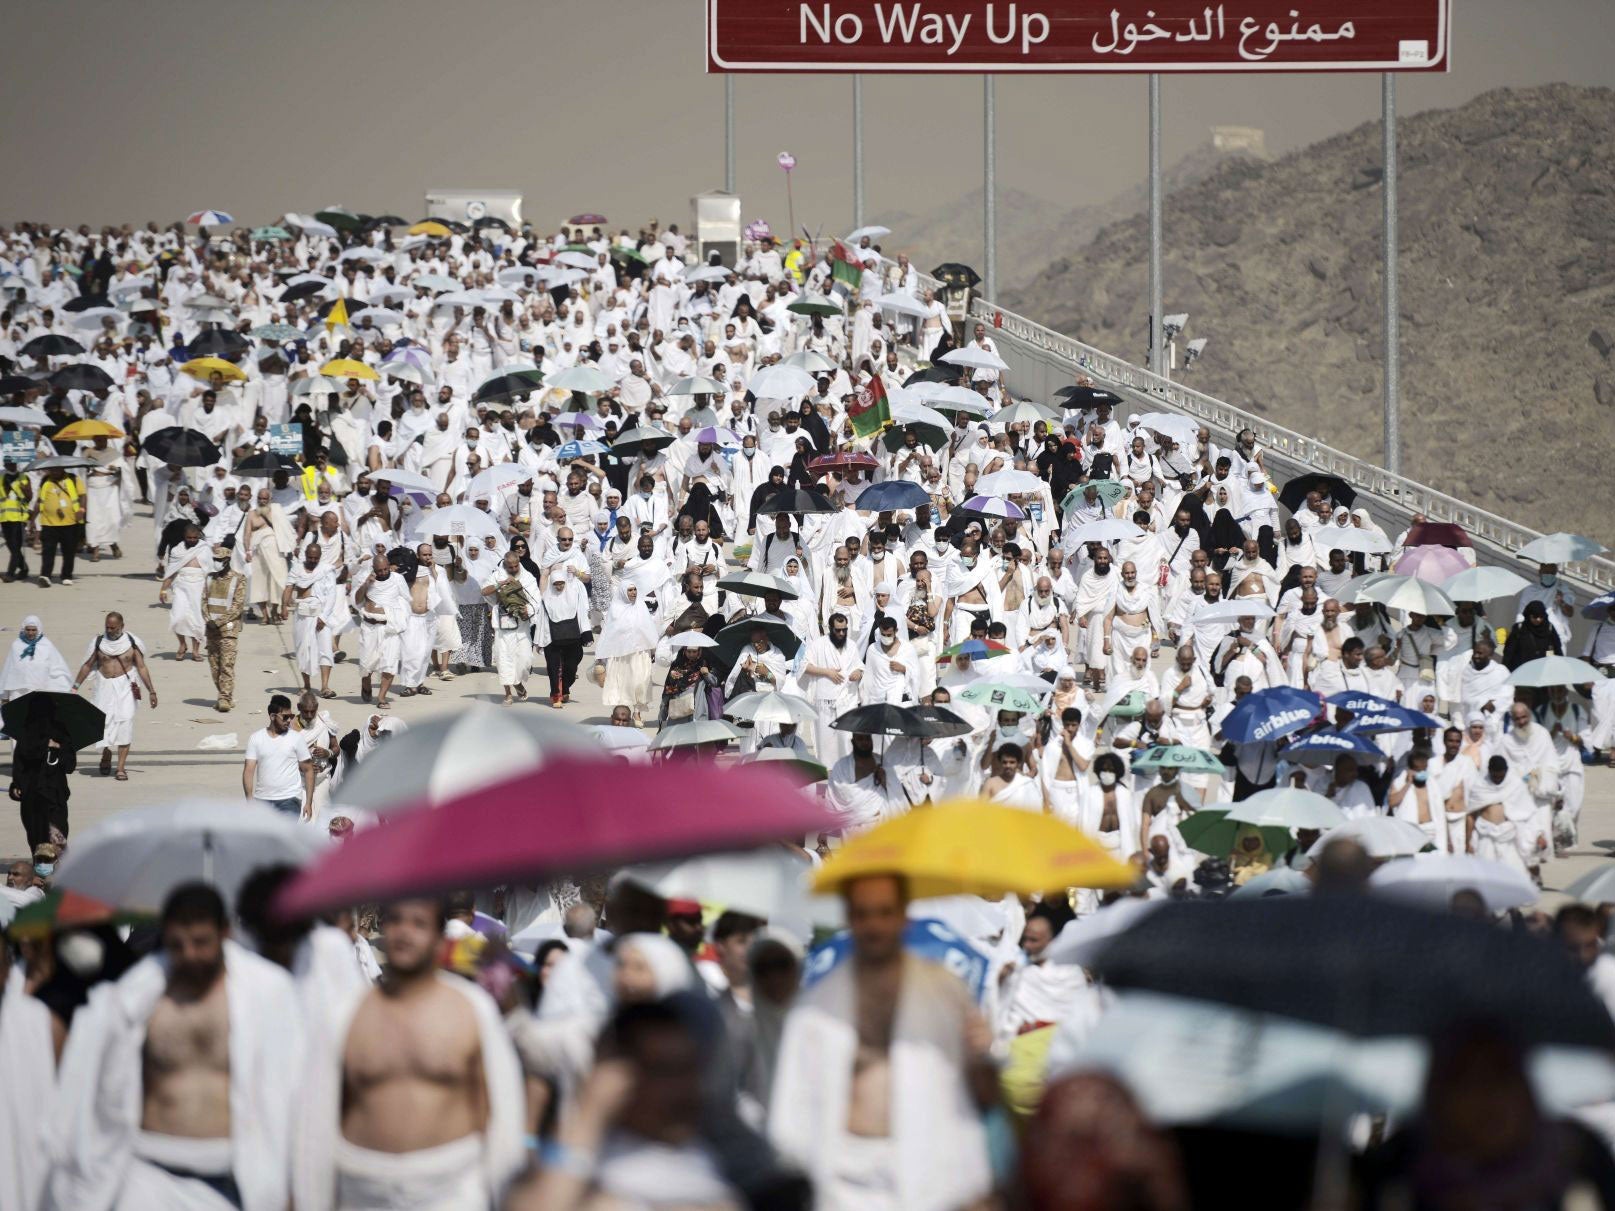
(1107, 779)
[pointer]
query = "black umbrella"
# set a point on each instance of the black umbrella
(945, 725)
(13, 384)
(1086, 397)
(388, 220)
(942, 372)
(1294, 494)
(735, 637)
(220, 342)
(489, 220)
(81, 376)
(182, 448)
(354, 306)
(302, 290)
(798, 500)
(340, 218)
(85, 301)
(264, 464)
(506, 387)
(83, 720)
(1359, 965)
(955, 274)
(641, 440)
(51, 345)
(884, 719)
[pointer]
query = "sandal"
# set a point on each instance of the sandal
(421, 689)
(406, 692)
(521, 692)
(327, 693)
(121, 776)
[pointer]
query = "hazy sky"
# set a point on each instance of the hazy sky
(118, 111)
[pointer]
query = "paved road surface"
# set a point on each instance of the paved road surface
(166, 764)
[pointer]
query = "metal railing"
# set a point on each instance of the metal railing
(1042, 360)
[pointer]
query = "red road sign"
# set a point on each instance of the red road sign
(976, 36)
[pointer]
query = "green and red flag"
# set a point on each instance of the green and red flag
(871, 412)
(844, 267)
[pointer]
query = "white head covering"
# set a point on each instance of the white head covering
(670, 969)
(37, 666)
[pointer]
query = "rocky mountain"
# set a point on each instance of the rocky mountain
(1507, 296)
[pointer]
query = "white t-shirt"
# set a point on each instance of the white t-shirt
(277, 775)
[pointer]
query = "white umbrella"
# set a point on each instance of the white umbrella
(499, 294)
(1350, 538)
(24, 416)
(1010, 481)
(496, 479)
(1354, 589)
(1106, 529)
(314, 386)
(707, 273)
(456, 521)
(1483, 584)
(975, 358)
(405, 372)
(459, 298)
(1024, 412)
(207, 302)
(581, 378)
(1381, 836)
(1179, 428)
(771, 706)
(435, 281)
(1080, 940)
(311, 225)
(399, 478)
(692, 639)
(134, 859)
(380, 317)
(1287, 807)
(364, 254)
(874, 232)
(1554, 670)
(1560, 548)
(577, 260)
(902, 304)
(768, 883)
(388, 295)
(953, 398)
(906, 413)
(1231, 609)
(1408, 593)
(811, 361)
(448, 755)
(781, 382)
(703, 731)
(519, 275)
(697, 384)
(1431, 880)
(91, 317)
(1597, 886)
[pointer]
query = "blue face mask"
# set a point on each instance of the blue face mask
(44, 869)
(1420, 778)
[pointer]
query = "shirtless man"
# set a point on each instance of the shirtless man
(381, 601)
(855, 1016)
(214, 1033)
(1413, 798)
(415, 1097)
(118, 659)
(1007, 785)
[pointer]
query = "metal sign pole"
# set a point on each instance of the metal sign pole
(1393, 319)
(857, 151)
(989, 188)
(1157, 360)
(729, 134)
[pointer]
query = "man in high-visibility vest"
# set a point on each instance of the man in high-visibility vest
(16, 493)
(60, 514)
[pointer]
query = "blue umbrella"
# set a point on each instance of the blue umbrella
(1269, 714)
(1359, 702)
(892, 494)
(1598, 608)
(583, 449)
(1392, 718)
(927, 938)
(1323, 746)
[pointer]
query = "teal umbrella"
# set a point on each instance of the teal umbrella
(1108, 490)
(270, 233)
(999, 697)
(1180, 757)
(278, 333)
(820, 306)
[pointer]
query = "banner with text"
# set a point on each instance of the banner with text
(1072, 36)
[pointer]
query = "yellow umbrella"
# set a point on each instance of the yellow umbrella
(971, 847)
(427, 227)
(202, 367)
(85, 430)
(347, 367)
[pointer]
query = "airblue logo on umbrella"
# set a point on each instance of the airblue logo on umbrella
(1283, 719)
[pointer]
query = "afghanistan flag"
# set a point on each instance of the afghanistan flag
(844, 267)
(871, 412)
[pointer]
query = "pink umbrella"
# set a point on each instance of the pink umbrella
(572, 816)
(1434, 564)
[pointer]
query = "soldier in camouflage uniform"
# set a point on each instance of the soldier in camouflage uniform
(222, 605)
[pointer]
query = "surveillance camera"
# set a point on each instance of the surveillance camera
(1196, 348)
(1174, 324)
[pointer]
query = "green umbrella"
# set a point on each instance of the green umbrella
(340, 217)
(824, 307)
(999, 697)
(278, 333)
(621, 253)
(1108, 490)
(1211, 832)
(271, 233)
(577, 248)
(929, 435)
(1130, 706)
(1179, 757)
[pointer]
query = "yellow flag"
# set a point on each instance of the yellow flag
(337, 317)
